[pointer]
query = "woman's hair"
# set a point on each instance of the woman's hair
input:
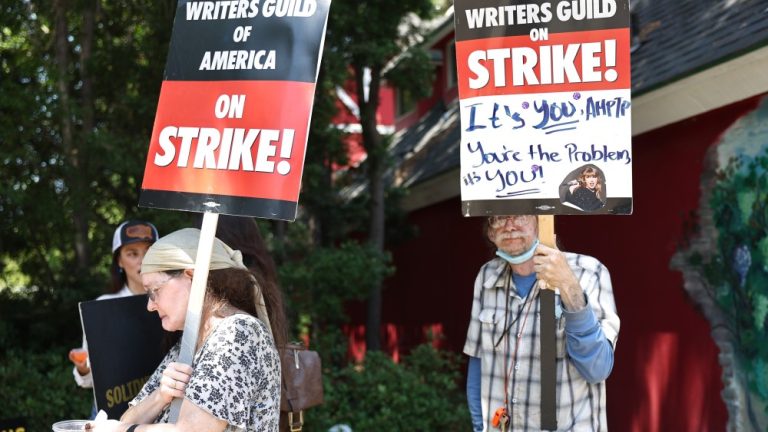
(591, 172)
(242, 233)
(118, 278)
(235, 287)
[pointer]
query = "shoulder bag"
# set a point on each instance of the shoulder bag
(302, 384)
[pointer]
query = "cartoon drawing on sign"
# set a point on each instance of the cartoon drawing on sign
(584, 189)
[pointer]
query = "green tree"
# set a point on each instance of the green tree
(367, 36)
(419, 394)
(77, 98)
(79, 90)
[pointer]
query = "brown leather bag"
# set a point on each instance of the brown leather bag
(302, 384)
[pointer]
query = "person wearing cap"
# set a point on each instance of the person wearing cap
(233, 383)
(129, 244)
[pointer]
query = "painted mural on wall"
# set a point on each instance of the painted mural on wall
(726, 265)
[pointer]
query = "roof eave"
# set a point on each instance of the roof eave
(723, 84)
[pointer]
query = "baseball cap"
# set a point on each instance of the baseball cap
(133, 231)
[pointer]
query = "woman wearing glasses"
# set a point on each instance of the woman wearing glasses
(234, 381)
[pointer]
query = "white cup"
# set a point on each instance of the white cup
(69, 425)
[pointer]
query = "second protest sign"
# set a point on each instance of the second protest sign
(544, 89)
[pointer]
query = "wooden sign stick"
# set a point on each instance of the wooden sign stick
(547, 230)
(196, 297)
(547, 335)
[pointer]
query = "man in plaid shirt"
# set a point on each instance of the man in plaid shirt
(503, 336)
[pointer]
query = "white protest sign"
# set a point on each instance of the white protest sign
(545, 104)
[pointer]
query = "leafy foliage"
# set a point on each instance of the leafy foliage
(40, 388)
(421, 394)
(41, 277)
(365, 37)
(330, 276)
(738, 272)
(413, 73)
(319, 286)
(43, 188)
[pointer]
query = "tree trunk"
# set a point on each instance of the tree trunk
(86, 50)
(745, 411)
(82, 209)
(376, 161)
(75, 178)
(373, 317)
(278, 226)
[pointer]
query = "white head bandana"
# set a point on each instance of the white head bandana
(178, 250)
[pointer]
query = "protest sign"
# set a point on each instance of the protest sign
(124, 347)
(231, 125)
(544, 90)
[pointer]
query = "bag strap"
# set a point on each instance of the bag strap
(294, 426)
(298, 416)
(298, 424)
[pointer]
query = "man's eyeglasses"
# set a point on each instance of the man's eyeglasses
(501, 221)
(152, 292)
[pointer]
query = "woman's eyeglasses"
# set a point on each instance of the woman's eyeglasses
(152, 292)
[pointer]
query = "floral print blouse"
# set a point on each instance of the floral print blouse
(235, 377)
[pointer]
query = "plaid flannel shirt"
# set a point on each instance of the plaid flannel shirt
(580, 405)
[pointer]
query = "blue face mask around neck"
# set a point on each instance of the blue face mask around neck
(518, 259)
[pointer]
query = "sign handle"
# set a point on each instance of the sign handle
(547, 337)
(547, 230)
(196, 297)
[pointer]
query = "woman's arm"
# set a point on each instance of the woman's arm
(146, 411)
(173, 383)
(191, 419)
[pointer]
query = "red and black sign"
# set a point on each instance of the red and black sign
(567, 62)
(542, 46)
(231, 126)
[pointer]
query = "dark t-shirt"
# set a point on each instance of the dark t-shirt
(585, 199)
